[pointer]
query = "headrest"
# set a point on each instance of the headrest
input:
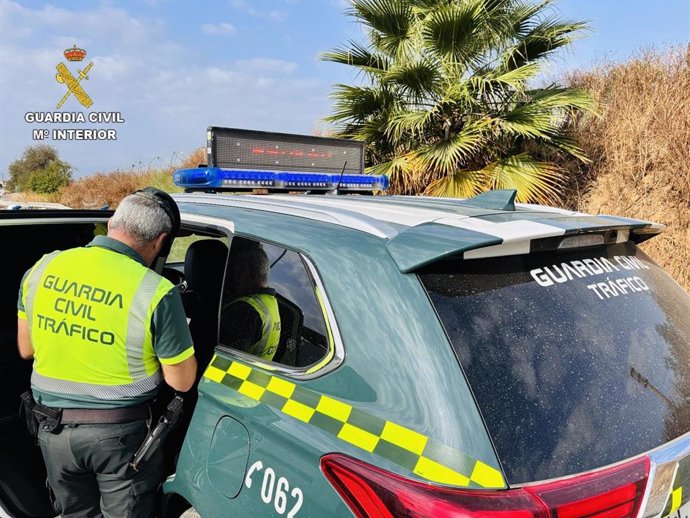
(204, 264)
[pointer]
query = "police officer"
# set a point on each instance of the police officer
(250, 321)
(104, 330)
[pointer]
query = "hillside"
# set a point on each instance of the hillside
(640, 150)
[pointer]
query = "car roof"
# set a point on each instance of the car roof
(418, 230)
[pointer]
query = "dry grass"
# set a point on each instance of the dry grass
(32, 196)
(100, 189)
(195, 159)
(109, 188)
(640, 150)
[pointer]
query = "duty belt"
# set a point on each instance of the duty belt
(105, 415)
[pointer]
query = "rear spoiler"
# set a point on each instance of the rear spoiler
(475, 238)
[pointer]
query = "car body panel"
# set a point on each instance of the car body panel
(374, 317)
(377, 338)
(361, 248)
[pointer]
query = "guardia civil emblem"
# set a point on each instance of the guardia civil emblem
(70, 81)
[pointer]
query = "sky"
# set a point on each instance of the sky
(171, 68)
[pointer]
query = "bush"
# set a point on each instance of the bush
(50, 179)
(40, 170)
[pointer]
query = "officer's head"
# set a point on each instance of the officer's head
(145, 220)
(248, 271)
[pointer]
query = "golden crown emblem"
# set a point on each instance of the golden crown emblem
(75, 54)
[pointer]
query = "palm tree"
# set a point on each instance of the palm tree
(446, 103)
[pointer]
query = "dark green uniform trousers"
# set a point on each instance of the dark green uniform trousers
(89, 472)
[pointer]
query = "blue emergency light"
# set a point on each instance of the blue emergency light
(217, 179)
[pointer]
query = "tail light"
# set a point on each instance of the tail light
(371, 492)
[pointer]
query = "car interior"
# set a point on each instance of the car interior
(199, 277)
(22, 472)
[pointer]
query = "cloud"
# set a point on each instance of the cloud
(275, 15)
(104, 23)
(218, 29)
(167, 94)
(271, 66)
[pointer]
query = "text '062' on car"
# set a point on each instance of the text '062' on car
(433, 357)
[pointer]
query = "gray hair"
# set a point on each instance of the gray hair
(142, 218)
(254, 263)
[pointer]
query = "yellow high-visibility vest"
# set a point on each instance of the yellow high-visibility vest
(266, 306)
(89, 312)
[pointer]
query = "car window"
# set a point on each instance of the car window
(179, 247)
(303, 337)
(577, 359)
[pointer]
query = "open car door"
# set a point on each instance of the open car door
(26, 235)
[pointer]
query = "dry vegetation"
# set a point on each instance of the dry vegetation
(109, 188)
(640, 150)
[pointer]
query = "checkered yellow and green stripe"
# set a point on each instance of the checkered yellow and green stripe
(680, 492)
(413, 451)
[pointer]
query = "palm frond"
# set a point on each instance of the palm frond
(538, 115)
(517, 77)
(357, 103)
(527, 121)
(542, 40)
(416, 79)
(567, 145)
(526, 16)
(455, 32)
(503, 85)
(355, 54)
(391, 19)
(553, 97)
(446, 156)
(535, 182)
(408, 123)
(462, 184)
(403, 171)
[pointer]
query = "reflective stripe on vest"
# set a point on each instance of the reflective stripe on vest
(89, 312)
(267, 307)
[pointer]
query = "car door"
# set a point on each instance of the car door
(250, 449)
(25, 236)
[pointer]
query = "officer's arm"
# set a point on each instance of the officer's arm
(173, 343)
(26, 350)
(181, 376)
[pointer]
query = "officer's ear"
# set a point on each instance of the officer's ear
(160, 241)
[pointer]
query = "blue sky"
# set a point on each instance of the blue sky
(174, 67)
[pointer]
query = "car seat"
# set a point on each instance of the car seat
(204, 268)
(291, 319)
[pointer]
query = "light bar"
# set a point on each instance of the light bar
(358, 182)
(214, 178)
(301, 181)
(217, 179)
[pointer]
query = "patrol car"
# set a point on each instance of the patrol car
(438, 357)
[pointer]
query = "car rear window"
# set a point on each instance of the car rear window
(577, 359)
